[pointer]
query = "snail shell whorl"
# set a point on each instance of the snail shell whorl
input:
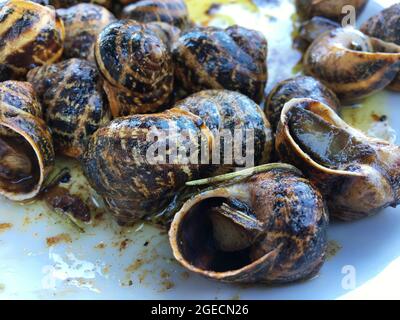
(20, 113)
(286, 211)
(213, 58)
(75, 103)
(223, 110)
(297, 87)
(83, 23)
(345, 61)
(137, 68)
(174, 12)
(117, 166)
(31, 35)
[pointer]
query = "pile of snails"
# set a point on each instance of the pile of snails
(91, 80)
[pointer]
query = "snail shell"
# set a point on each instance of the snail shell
(75, 103)
(213, 58)
(297, 87)
(118, 166)
(69, 3)
(137, 68)
(332, 9)
(357, 174)
(31, 35)
(26, 149)
(385, 26)
(166, 32)
(83, 23)
(315, 27)
(228, 111)
(351, 64)
(174, 12)
(267, 227)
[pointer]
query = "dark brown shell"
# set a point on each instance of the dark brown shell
(351, 64)
(297, 87)
(223, 110)
(385, 26)
(358, 175)
(286, 211)
(166, 32)
(75, 103)
(21, 125)
(69, 3)
(213, 58)
(117, 165)
(174, 12)
(137, 68)
(83, 23)
(331, 9)
(31, 35)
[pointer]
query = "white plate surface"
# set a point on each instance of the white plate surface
(107, 262)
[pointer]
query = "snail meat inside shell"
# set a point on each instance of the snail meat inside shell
(357, 174)
(269, 227)
(26, 149)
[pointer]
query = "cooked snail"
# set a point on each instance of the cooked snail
(174, 12)
(266, 224)
(75, 103)
(351, 64)
(213, 58)
(70, 3)
(83, 23)
(357, 174)
(137, 68)
(230, 112)
(26, 149)
(297, 87)
(134, 180)
(316, 26)
(332, 9)
(31, 35)
(386, 26)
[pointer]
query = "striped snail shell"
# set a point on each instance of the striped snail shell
(26, 148)
(358, 175)
(232, 115)
(83, 23)
(31, 35)
(213, 58)
(69, 3)
(137, 68)
(120, 167)
(174, 12)
(74, 101)
(266, 224)
(352, 64)
(297, 87)
(386, 26)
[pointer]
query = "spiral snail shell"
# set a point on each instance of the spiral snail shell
(173, 12)
(83, 23)
(332, 9)
(266, 225)
(26, 148)
(297, 87)
(386, 26)
(31, 35)
(358, 175)
(136, 66)
(351, 64)
(230, 112)
(213, 58)
(131, 180)
(69, 3)
(75, 103)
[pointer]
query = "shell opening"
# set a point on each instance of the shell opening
(218, 234)
(19, 166)
(324, 141)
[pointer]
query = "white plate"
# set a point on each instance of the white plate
(108, 262)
